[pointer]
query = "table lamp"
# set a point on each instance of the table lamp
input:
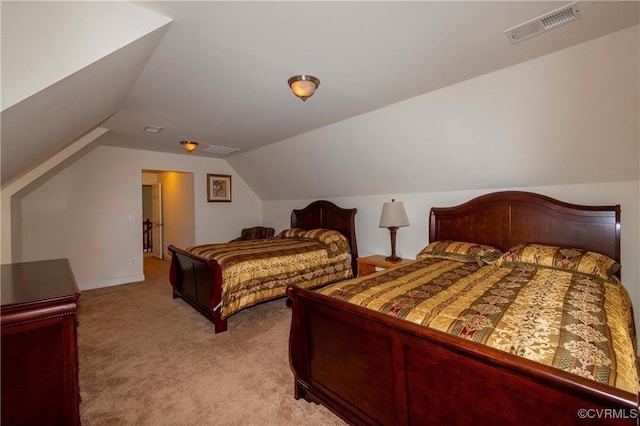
(393, 216)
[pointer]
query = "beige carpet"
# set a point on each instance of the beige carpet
(148, 359)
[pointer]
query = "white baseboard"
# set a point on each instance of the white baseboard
(111, 282)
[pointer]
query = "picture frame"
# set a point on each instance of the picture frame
(218, 188)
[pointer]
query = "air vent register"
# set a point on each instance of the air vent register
(544, 23)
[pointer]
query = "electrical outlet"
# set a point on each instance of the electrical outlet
(132, 260)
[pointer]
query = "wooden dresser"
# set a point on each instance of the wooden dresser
(39, 344)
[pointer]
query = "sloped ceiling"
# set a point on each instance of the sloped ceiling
(66, 67)
(570, 117)
(219, 74)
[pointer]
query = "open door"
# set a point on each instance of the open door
(158, 244)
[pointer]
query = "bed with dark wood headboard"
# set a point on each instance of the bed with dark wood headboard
(373, 368)
(199, 281)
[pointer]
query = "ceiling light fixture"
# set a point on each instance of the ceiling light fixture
(189, 146)
(304, 85)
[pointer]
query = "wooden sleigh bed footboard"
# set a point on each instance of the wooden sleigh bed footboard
(370, 368)
(198, 282)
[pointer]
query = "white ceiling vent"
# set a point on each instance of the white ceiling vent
(152, 128)
(544, 23)
(214, 149)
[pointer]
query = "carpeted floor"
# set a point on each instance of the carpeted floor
(149, 359)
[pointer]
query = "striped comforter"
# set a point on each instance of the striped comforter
(254, 271)
(575, 322)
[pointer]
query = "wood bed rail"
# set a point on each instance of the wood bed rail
(378, 369)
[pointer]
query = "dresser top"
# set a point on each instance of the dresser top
(34, 282)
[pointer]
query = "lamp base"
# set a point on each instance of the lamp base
(392, 233)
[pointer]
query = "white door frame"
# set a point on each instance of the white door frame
(157, 229)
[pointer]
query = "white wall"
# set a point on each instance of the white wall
(411, 239)
(11, 193)
(83, 212)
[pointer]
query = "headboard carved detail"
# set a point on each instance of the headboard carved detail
(325, 214)
(504, 219)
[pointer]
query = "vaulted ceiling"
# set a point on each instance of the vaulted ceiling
(216, 72)
(67, 67)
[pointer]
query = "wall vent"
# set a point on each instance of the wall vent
(544, 23)
(222, 150)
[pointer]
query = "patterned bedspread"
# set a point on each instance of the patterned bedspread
(575, 322)
(257, 270)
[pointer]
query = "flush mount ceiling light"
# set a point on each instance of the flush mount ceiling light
(189, 145)
(304, 85)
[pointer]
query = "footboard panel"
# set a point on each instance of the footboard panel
(371, 368)
(359, 355)
(199, 283)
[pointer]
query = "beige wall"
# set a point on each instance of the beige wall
(83, 213)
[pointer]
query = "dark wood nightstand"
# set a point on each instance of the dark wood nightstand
(367, 265)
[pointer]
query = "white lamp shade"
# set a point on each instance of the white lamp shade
(304, 85)
(303, 88)
(189, 145)
(393, 215)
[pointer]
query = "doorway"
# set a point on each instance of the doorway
(168, 202)
(152, 224)
(147, 223)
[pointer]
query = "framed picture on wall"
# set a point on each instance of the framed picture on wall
(218, 188)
